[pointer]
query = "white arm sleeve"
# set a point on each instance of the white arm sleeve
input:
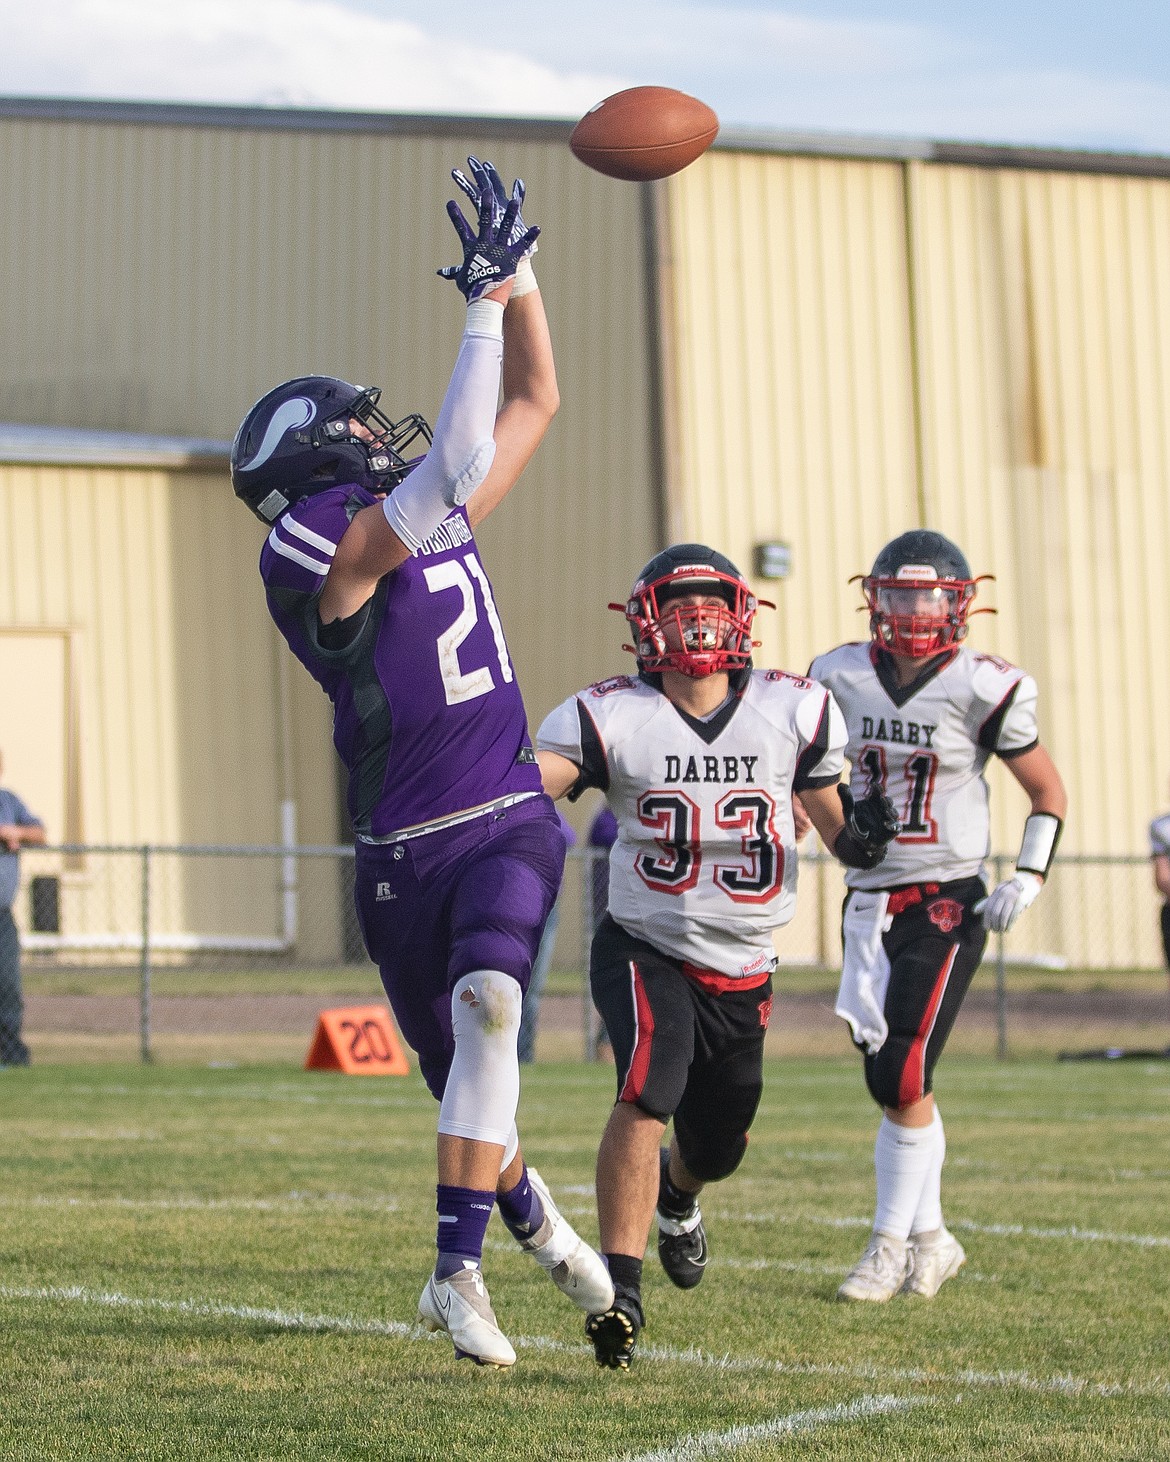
(463, 448)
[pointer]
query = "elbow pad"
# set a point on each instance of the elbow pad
(419, 504)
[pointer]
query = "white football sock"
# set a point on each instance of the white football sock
(901, 1157)
(928, 1215)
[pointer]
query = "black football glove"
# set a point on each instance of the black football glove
(869, 825)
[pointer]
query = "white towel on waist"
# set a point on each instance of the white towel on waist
(865, 969)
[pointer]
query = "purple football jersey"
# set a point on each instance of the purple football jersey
(427, 714)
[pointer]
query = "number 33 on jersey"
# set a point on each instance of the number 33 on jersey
(704, 867)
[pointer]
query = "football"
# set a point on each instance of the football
(644, 133)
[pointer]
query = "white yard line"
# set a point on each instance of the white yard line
(967, 1225)
(390, 1205)
(718, 1444)
(290, 1203)
(1061, 1385)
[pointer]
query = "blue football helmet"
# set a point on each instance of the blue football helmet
(299, 439)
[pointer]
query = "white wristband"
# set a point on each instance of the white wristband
(1041, 833)
(485, 317)
(525, 279)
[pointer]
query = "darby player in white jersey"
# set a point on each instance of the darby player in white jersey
(924, 716)
(699, 756)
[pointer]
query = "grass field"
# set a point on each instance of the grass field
(225, 1263)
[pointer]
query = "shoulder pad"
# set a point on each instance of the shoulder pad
(992, 677)
(615, 682)
(798, 682)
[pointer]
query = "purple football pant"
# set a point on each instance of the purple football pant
(435, 908)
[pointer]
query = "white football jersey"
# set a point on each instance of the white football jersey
(704, 866)
(926, 745)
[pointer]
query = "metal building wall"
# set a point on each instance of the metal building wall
(863, 346)
(177, 706)
(1044, 339)
(174, 263)
(792, 404)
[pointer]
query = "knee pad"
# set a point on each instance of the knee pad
(483, 1086)
(511, 1148)
(711, 1167)
(883, 1075)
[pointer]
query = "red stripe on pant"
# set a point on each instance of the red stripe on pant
(911, 1088)
(639, 1067)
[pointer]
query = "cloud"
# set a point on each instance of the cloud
(303, 52)
(758, 64)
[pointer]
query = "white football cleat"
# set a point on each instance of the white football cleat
(934, 1258)
(460, 1307)
(576, 1269)
(879, 1273)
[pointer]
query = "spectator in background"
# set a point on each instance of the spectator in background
(530, 1010)
(1160, 853)
(18, 829)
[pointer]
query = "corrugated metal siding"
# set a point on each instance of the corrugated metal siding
(866, 346)
(793, 377)
(171, 274)
(1045, 343)
(175, 680)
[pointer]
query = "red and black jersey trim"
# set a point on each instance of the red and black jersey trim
(594, 765)
(803, 779)
(883, 663)
(989, 732)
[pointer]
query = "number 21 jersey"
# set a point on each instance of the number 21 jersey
(427, 714)
(926, 745)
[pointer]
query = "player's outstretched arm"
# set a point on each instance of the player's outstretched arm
(557, 772)
(530, 402)
(381, 538)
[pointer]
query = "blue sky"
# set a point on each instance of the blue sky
(1073, 75)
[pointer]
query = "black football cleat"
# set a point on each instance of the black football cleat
(615, 1332)
(682, 1242)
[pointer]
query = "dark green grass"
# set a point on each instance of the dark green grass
(148, 1214)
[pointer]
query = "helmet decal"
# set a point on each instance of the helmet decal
(287, 417)
(317, 433)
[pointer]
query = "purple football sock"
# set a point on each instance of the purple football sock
(463, 1221)
(521, 1208)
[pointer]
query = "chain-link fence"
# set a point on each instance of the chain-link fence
(228, 954)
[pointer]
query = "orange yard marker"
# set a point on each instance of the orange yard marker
(359, 1040)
